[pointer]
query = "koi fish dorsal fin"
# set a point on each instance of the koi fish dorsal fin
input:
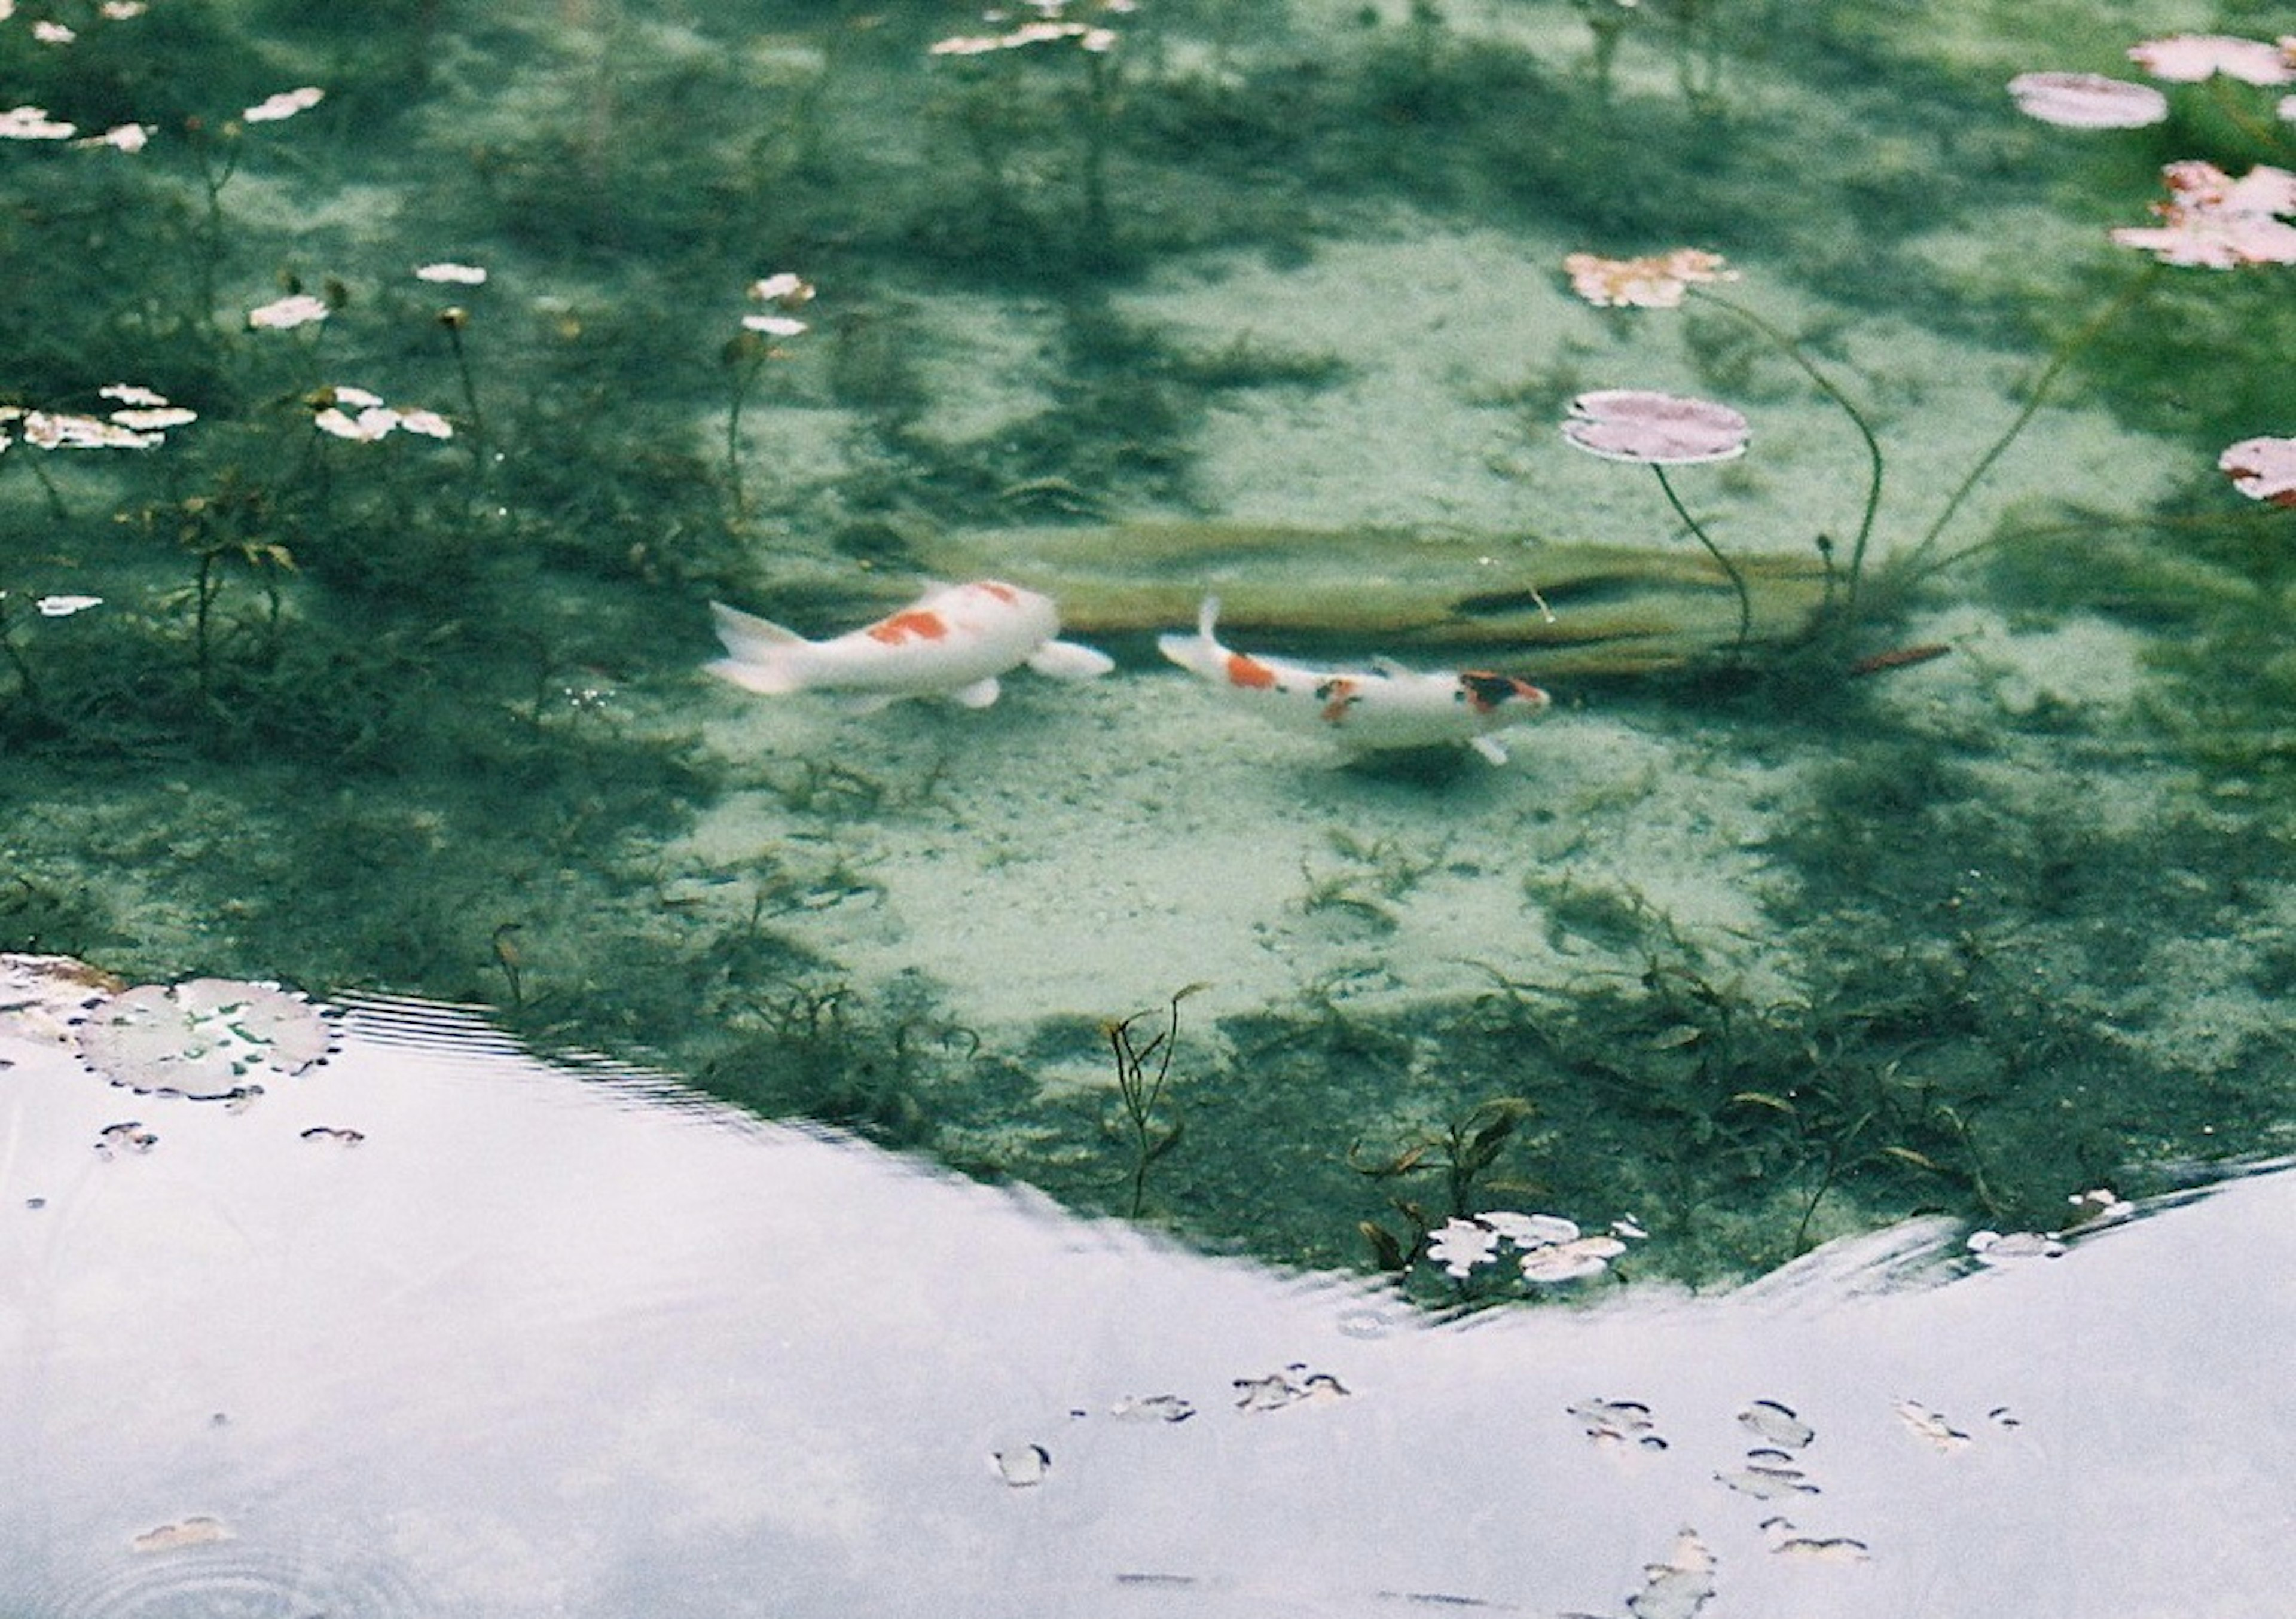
(1208, 619)
(760, 651)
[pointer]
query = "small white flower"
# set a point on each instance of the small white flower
(286, 105)
(430, 424)
(357, 398)
(296, 309)
(62, 430)
(53, 33)
(121, 11)
(64, 607)
(773, 326)
(130, 393)
(1529, 1230)
(33, 124)
(460, 275)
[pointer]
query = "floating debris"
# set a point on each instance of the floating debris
(2013, 1248)
(2002, 1417)
(1786, 1542)
(330, 1133)
(1618, 1422)
(43, 997)
(1024, 1469)
(1777, 1423)
(286, 313)
(203, 1038)
(1678, 1588)
(1767, 1481)
(286, 105)
(127, 1136)
(1152, 1408)
(195, 1530)
(1931, 1426)
(1295, 1385)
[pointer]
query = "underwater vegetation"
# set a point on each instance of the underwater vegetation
(384, 398)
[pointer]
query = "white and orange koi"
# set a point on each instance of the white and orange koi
(953, 641)
(1383, 707)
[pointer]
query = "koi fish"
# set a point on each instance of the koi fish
(953, 641)
(1385, 706)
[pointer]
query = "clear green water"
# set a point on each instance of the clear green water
(1749, 947)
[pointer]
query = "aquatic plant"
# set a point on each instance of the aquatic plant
(1661, 431)
(748, 352)
(1140, 1091)
(1058, 28)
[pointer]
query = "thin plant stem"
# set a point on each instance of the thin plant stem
(1793, 350)
(2035, 395)
(1737, 578)
(454, 319)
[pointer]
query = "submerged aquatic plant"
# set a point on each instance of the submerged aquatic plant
(1058, 28)
(1660, 431)
(749, 353)
(1140, 1089)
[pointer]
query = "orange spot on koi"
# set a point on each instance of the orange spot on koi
(1244, 671)
(908, 626)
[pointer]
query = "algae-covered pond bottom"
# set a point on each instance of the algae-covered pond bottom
(439, 1327)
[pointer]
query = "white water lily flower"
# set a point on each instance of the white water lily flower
(285, 313)
(286, 105)
(454, 275)
(121, 11)
(1656, 280)
(30, 123)
(773, 325)
(53, 33)
(357, 398)
(1461, 1244)
(64, 607)
(784, 287)
(2087, 101)
(430, 424)
(131, 393)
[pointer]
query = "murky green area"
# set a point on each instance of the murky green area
(1755, 939)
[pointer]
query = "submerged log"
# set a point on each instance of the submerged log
(1537, 608)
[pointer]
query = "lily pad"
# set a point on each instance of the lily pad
(205, 1038)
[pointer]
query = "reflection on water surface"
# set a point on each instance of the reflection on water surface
(550, 1341)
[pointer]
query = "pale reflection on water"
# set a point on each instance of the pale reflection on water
(544, 1341)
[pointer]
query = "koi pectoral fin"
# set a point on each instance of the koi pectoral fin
(980, 694)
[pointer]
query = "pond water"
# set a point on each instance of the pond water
(546, 1339)
(1820, 522)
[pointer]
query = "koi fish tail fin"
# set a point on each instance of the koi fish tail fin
(1201, 653)
(1070, 660)
(761, 655)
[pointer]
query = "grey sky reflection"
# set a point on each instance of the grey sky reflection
(539, 1343)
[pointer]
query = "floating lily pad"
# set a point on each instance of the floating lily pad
(205, 1038)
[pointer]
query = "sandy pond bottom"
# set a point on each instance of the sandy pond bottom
(556, 1341)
